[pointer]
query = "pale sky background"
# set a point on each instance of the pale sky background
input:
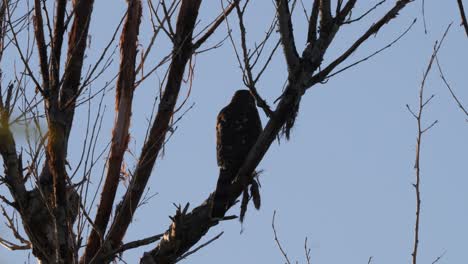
(344, 180)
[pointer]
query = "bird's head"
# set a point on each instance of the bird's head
(243, 96)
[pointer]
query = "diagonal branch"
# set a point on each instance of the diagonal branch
(452, 93)
(374, 53)
(200, 247)
(349, 21)
(136, 244)
(41, 45)
(312, 31)
(187, 229)
(341, 16)
(463, 16)
(15, 41)
(120, 135)
(249, 79)
(216, 24)
(75, 57)
(391, 14)
(182, 51)
(287, 36)
(11, 161)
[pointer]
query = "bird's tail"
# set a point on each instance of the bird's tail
(221, 196)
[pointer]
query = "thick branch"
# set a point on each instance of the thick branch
(57, 41)
(326, 16)
(182, 51)
(287, 36)
(56, 162)
(41, 46)
(60, 120)
(75, 56)
(187, 229)
(312, 31)
(60, 115)
(15, 183)
(120, 135)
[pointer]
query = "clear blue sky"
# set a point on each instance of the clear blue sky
(344, 180)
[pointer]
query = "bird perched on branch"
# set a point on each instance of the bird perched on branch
(237, 129)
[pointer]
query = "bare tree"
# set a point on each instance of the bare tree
(55, 211)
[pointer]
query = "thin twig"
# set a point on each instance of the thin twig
(421, 131)
(20, 52)
(136, 243)
(463, 16)
(391, 14)
(12, 246)
(439, 257)
(423, 4)
(307, 251)
(374, 53)
(349, 21)
(277, 240)
(247, 74)
(11, 225)
(442, 76)
(199, 247)
(225, 13)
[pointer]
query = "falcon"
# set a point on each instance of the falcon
(237, 129)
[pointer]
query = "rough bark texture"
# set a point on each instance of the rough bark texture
(181, 53)
(49, 210)
(188, 228)
(120, 135)
(60, 118)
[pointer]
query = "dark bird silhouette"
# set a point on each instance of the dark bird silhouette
(238, 127)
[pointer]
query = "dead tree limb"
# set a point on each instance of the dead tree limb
(120, 134)
(187, 229)
(181, 53)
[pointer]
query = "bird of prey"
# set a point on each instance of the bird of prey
(238, 127)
